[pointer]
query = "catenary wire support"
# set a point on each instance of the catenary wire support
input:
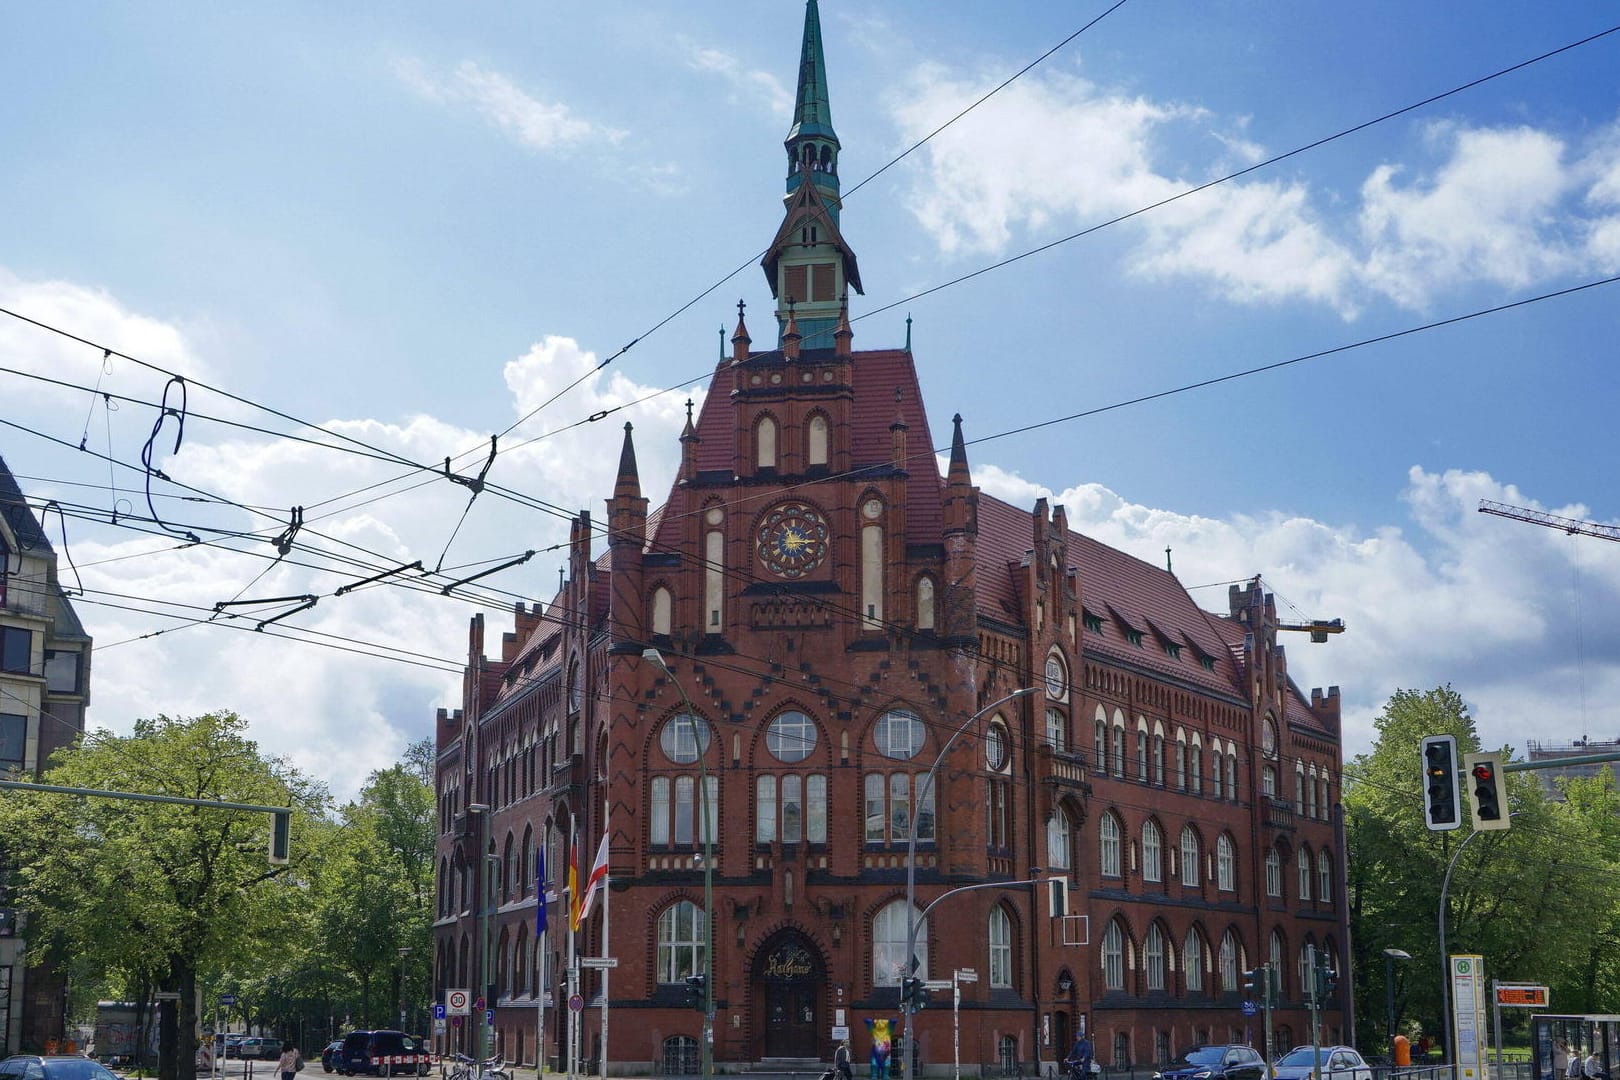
(507, 565)
(353, 585)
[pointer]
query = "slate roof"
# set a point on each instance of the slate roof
(24, 526)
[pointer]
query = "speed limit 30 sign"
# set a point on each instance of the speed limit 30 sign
(458, 1002)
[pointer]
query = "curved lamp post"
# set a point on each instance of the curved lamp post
(653, 656)
(908, 962)
(1390, 956)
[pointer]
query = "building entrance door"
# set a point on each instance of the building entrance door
(792, 973)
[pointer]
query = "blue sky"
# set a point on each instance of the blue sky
(416, 223)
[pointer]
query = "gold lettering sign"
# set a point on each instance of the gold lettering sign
(789, 962)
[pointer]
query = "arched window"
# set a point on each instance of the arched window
(1192, 961)
(714, 579)
(1119, 743)
(1152, 852)
(1310, 794)
(816, 444)
(1231, 954)
(1141, 753)
(1324, 876)
(871, 577)
(1056, 723)
(681, 1056)
(1299, 788)
(1276, 958)
(1191, 857)
(1113, 956)
(889, 945)
(1273, 873)
(1195, 767)
(1231, 775)
(681, 944)
(1158, 759)
(1225, 865)
(1099, 741)
(1057, 841)
(1216, 788)
(1181, 760)
(1108, 844)
(925, 603)
(1000, 938)
(1153, 957)
(765, 443)
(663, 611)
(1303, 857)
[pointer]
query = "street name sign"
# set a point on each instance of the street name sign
(599, 961)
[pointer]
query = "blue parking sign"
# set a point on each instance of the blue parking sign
(438, 1010)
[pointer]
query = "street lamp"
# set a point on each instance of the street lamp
(1390, 956)
(656, 658)
(480, 1051)
(403, 953)
(908, 963)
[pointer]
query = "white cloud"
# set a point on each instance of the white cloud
(1490, 213)
(1055, 154)
(1514, 615)
(751, 85)
(539, 125)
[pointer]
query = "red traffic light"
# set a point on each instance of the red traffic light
(1484, 773)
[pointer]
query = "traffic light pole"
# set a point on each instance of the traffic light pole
(1265, 1005)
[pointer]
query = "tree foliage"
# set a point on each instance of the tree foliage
(1538, 901)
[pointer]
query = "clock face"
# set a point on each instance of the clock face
(792, 540)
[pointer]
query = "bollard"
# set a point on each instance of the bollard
(1402, 1048)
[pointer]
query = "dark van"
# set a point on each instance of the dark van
(383, 1053)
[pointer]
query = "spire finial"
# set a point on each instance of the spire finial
(908, 336)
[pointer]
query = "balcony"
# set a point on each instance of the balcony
(1279, 814)
(1059, 775)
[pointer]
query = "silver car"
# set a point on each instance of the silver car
(1333, 1063)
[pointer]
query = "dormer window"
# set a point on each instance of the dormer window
(1094, 623)
(1134, 637)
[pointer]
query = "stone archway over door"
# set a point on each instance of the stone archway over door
(791, 977)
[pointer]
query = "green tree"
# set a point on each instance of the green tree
(159, 892)
(1523, 898)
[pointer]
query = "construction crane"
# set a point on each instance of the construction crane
(1319, 629)
(1571, 526)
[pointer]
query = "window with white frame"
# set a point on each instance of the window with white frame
(889, 945)
(1192, 961)
(888, 808)
(899, 734)
(1056, 725)
(1225, 864)
(1152, 852)
(1275, 955)
(1231, 776)
(1195, 768)
(1141, 754)
(681, 738)
(1153, 957)
(1000, 938)
(1113, 956)
(1108, 845)
(1119, 747)
(1217, 789)
(1158, 759)
(1303, 857)
(1324, 876)
(1230, 954)
(791, 736)
(1191, 857)
(1181, 762)
(675, 818)
(1273, 873)
(681, 945)
(790, 808)
(1058, 841)
(1100, 745)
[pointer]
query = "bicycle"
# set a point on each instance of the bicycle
(493, 1068)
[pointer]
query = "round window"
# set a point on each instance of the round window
(899, 734)
(791, 737)
(1057, 679)
(995, 747)
(681, 736)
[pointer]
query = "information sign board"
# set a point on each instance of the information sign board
(1523, 997)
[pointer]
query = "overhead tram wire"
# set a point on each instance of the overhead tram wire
(944, 285)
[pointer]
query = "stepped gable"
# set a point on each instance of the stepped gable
(1110, 582)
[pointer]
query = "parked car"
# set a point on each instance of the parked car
(329, 1055)
(383, 1053)
(257, 1048)
(53, 1067)
(1334, 1063)
(233, 1044)
(1232, 1061)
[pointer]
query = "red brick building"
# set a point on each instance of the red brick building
(830, 613)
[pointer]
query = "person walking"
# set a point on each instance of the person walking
(289, 1062)
(841, 1061)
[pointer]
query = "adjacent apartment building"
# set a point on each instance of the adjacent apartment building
(879, 685)
(44, 689)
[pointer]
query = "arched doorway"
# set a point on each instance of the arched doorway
(790, 972)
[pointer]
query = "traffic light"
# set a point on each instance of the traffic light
(280, 836)
(1488, 785)
(695, 986)
(1251, 981)
(1326, 979)
(1440, 810)
(913, 995)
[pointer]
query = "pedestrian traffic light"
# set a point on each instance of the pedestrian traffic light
(1488, 786)
(1440, 809)
(695, 987)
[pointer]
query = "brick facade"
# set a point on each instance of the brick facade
(838, 616)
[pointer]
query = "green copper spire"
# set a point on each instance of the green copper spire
(811, 142)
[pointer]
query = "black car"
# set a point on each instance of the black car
(329, 1055)
(383, 1053)
(37, 1067)
(1232, 1061)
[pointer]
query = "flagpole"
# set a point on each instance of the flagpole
(602, 1057)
